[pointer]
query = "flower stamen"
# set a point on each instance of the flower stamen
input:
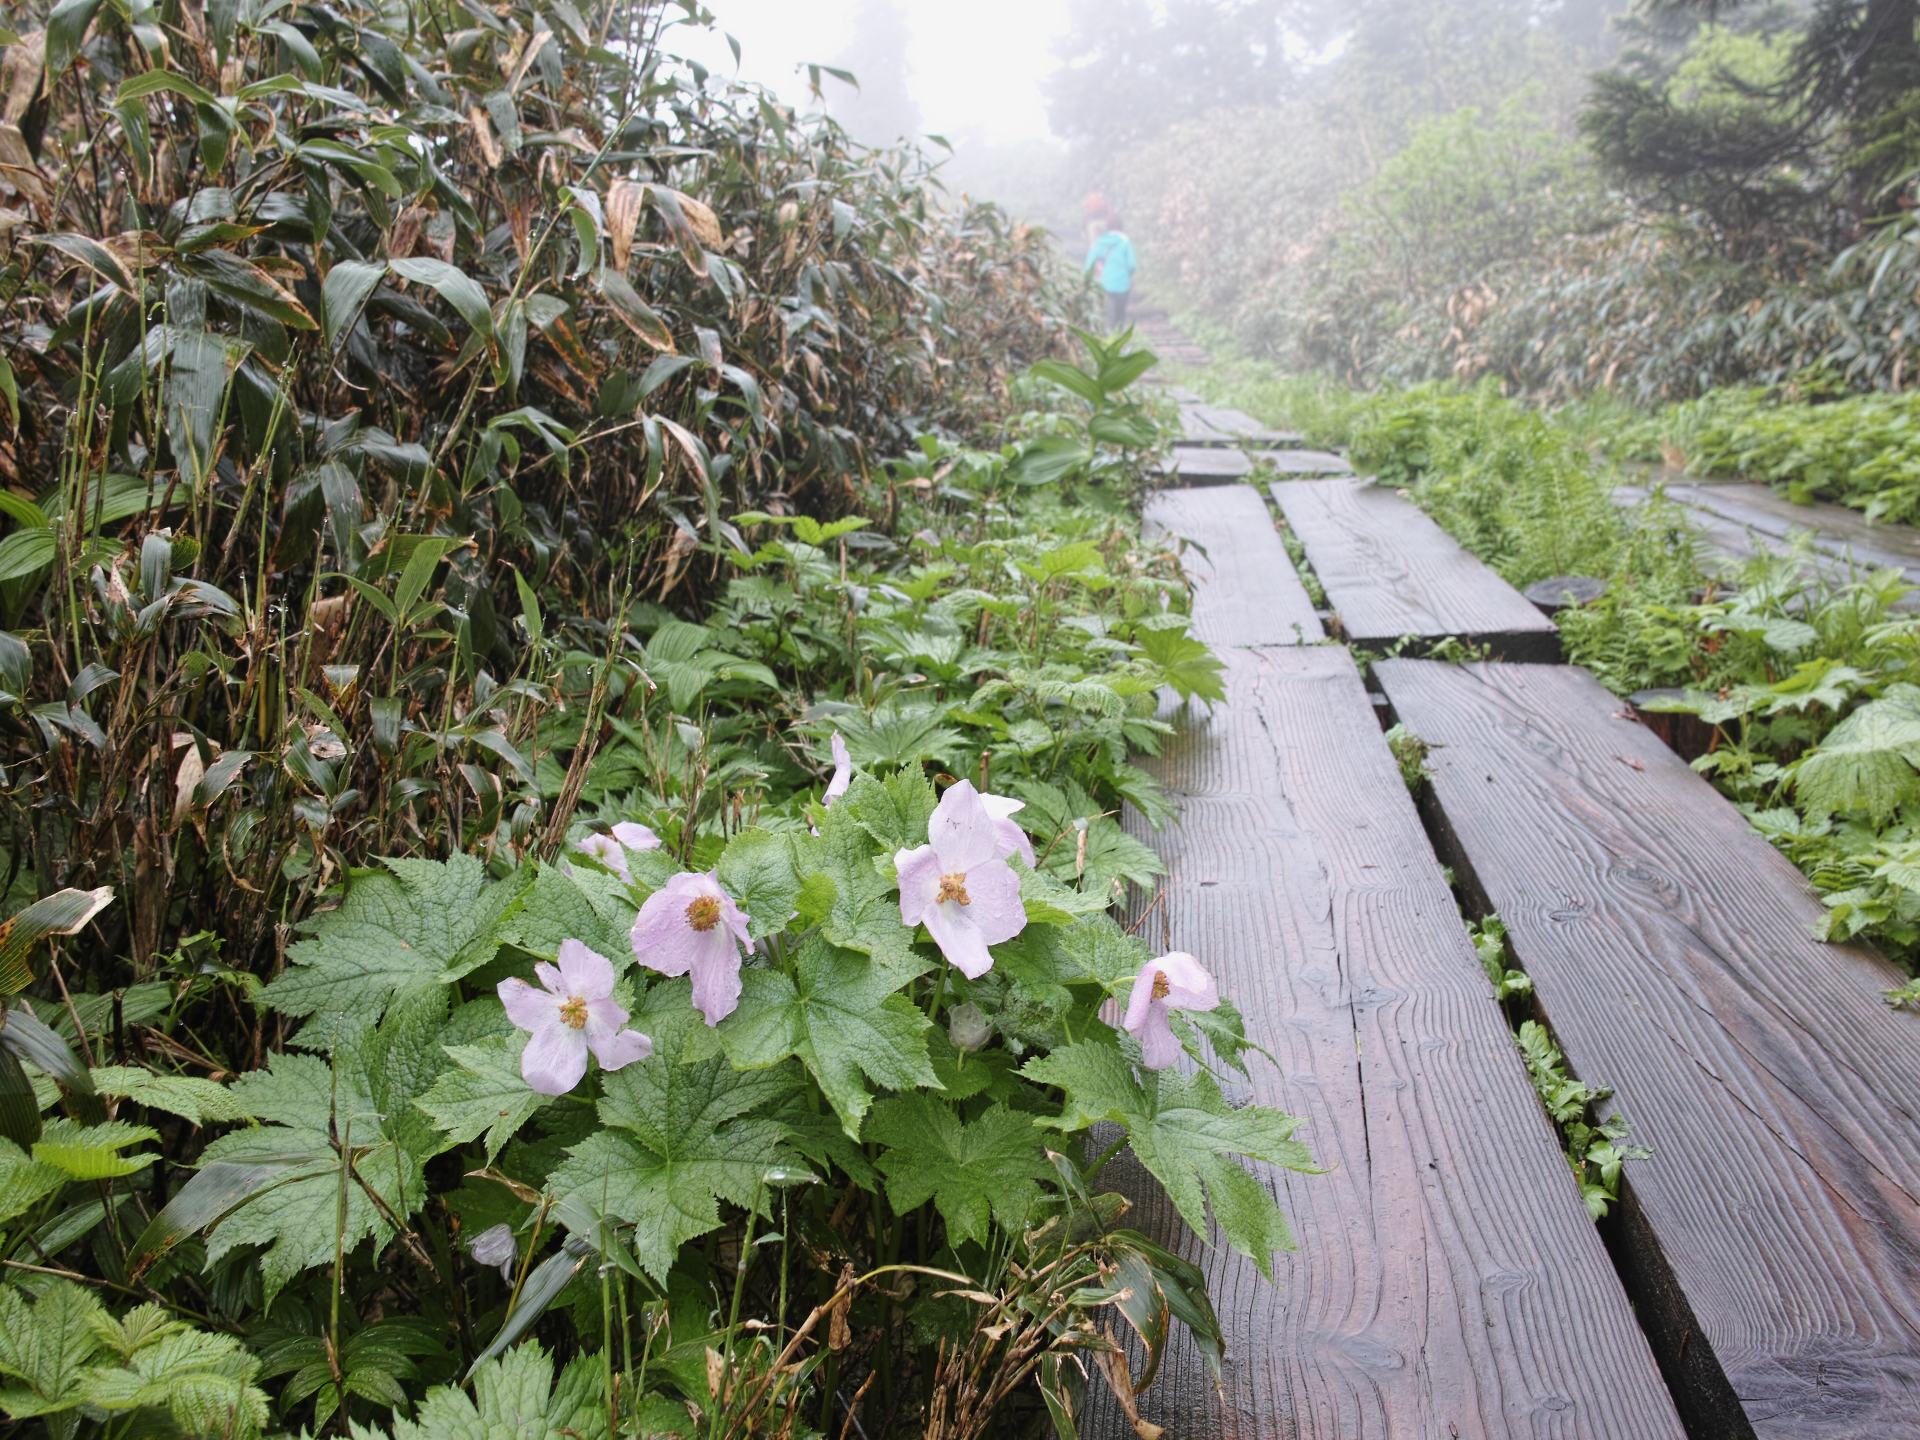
(1161, 987)
(953, 887)
(574, 1012)
(704, 913)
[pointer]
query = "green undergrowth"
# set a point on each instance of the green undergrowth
(1861, 450)
(859, 1189)
(1807, 688)
(1597, 1146)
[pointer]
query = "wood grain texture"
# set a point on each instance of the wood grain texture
(1215, 425)
(1448, 1282)
(1211, 465)
(1245, 589)
(1389, 571)
(1773, 1239)
(1238, 422)
(1841, 544)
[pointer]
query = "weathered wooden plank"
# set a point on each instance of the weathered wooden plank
(1447, 1281)
(1773, 1239)
(1196, 429)
(1828, 558)
(1389, 571)
(1206, 465)
(1238, 422)
(1213, 465)
(1245, 589)
(1835, 529)
(1209, 427)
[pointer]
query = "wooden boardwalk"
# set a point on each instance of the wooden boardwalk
(1762, 1275)
(1775, 1232)
(1245, 590)
(1737, 519)
(1448, 1281)
(1390, 573)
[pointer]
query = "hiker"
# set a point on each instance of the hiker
(1111, 261)
(1094, 212)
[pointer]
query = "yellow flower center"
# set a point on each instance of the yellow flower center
(574, 1012)
(1161, 989)
(954, 887)
(704, 913)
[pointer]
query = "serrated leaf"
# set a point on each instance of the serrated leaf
(296, 1225)
(44, 1347)
(988, 1168)
(396, 930)
(93, 1152)
(204, 1382)
(865, 915)
(514, 1398)
(842, 1017)
(893, 810)
(1866, 764)
(193, 1099)
(1181, 1128)
(483, 1093)
(680, 1138)
(759, 872)
(24, 1182)
(1185, 663)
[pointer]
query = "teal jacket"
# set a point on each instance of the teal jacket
(1113, 252)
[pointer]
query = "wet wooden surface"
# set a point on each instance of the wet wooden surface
(1448, 1282)
(1214, 425)
(1738, 518)
(1772, 1241)
(1390, 572)
(1214, 465)
(1246, 591)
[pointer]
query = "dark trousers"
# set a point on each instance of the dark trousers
(1117, 310)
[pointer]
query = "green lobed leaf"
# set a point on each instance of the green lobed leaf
(483, 1094)
(193, 1099)
(680, 1138)
(842, 1017)
(514, 1398)
(894, 810)
(294, 1221)
(24, 1182)
(397, 930)
(45, 1347)
(760, 870)
(1867, 763)
(988, 1168)
(93, 1152)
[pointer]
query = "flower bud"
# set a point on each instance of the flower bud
(496, 1246)
(968, 1028)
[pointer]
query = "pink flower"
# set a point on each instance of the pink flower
(842, 772)
(1173, 982)
(611, 850)
(959, 885)
(691, 924)
(571, 1013)
(1013, 840)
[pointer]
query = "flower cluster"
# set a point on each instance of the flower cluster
(960, 885)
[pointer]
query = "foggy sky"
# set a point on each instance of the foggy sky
(975, 67)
